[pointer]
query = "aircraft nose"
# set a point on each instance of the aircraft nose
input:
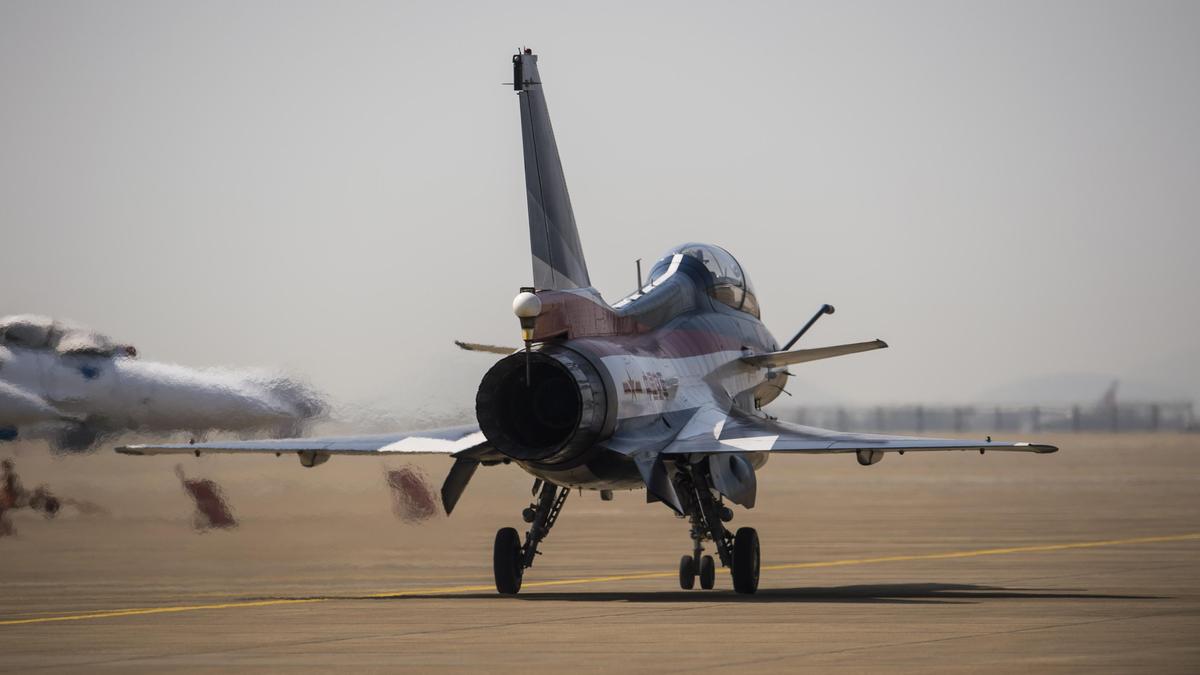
(217, 405)
(181, 398)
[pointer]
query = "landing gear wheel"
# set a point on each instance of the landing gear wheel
(708, 573)
(507, 561)
(745, 560)
(687, 572)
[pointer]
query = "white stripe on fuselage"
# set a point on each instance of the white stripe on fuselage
(675, 260)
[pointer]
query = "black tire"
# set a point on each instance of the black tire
(745, 560)
(687, 572)
(507, 562)
(708, 573)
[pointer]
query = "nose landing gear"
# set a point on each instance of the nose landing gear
(510, 558)
(708, 516)
(697, 565)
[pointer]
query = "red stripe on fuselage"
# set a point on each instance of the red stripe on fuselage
(669, 343)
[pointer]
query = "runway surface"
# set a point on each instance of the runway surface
(1086, 560)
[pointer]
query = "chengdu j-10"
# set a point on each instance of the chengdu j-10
(663, 390)
(75, 386)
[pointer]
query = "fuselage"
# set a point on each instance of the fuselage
(659, 355)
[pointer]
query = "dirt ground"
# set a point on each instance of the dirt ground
(1086, 560)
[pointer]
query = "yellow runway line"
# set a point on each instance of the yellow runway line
(988, 551)
(528, 584)
(1042, 548)
(142, 611)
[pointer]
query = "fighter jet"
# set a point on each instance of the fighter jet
(74, 386)
(663, 390)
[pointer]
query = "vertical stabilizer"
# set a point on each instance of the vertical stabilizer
(553, 239)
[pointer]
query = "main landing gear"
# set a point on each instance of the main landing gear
(739, 552)
(510, 557)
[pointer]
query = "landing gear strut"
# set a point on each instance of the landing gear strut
(708, 516)
(510, 557)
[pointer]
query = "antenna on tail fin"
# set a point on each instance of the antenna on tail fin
(553, 238)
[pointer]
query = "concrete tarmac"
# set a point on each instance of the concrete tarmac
(1087, 560)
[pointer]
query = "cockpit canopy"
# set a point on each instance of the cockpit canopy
(727, 282)
(40, 332)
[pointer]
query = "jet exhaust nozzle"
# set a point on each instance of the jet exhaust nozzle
(547, 406)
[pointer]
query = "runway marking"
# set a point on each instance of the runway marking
(274, 602)
(142, 611)
(987, 551)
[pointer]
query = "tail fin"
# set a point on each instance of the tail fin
(553, 239)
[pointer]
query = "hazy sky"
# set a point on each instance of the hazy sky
(999, 190)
